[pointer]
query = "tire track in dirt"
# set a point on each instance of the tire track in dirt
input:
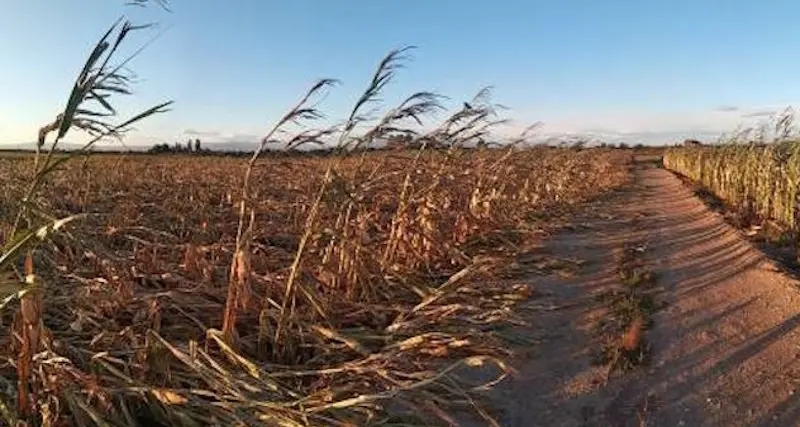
(725, 348)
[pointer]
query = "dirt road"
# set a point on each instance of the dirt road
(725, 345)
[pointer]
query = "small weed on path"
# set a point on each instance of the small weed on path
(630, 306)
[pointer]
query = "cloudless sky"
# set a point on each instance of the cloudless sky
(613, 67)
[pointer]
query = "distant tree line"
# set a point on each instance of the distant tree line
(190, 147)
(395, 143)
(398, 142)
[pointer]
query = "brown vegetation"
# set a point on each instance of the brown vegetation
(630, 306)
(294, 291)
(388, 289)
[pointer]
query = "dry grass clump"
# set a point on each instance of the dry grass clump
(630, 307)
(634, 306)
(756, 171)
(296, 292)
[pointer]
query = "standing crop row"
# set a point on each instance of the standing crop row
(761, 180)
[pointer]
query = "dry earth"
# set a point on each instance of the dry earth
(725, 339)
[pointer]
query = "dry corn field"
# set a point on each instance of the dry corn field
(760, 180)
(392, 299)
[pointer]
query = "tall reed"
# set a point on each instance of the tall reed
(89, 108)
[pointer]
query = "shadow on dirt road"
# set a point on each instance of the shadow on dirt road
(725, 344)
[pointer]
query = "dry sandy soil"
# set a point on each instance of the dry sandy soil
(725, 341)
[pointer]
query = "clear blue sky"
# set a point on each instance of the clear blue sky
(614, 67)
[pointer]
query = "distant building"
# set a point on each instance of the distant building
(692, 143)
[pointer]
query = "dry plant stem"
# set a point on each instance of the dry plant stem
(295, 267)
(299, 111)
(401, 207)
(30, 306)
(238, 286)
(382, 76)
(404, 192)
(91, 84)
(31, 334)
(43, 132)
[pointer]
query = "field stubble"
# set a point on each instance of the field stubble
(397, 290)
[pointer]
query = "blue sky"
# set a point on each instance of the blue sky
(641, 70)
